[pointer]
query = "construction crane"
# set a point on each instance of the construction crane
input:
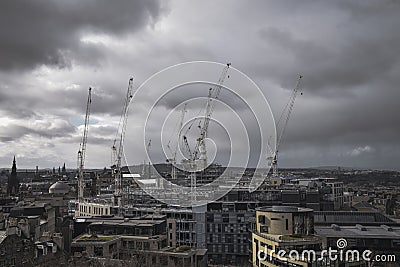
(82, 149)
(117, 148)
(213, 94)
(147, 166)
(282, 125)
(197, 162)
(172, 160)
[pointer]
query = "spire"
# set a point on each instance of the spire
(14, 166)
(13, 183)
(63, 170)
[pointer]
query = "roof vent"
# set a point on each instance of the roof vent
(360, 227)
(387, 228)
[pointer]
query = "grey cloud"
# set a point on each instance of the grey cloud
(44, 32)
(13, 132)
(348, 52)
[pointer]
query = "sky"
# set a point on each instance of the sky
(52, 51)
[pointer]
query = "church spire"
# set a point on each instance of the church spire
(13, 183)
(14, 166)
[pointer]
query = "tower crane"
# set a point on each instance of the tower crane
(117, 148)
(174, 152)
(196, 161)
(82, 149)
(213, 94)
(148, 172)
(282, 125)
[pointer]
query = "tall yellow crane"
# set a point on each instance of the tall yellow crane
(82, 149)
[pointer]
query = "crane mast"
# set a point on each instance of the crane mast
(82, 148)
(213, 94)
(117, 148)
(174, 152)
(284, 119)
(195, 161)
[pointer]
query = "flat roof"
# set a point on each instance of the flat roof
(284, 209)
(359, 231)
(119, 221)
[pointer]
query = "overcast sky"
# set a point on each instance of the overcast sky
(348, 51)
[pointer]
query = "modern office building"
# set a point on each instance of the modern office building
(283, 228)
(285, 236)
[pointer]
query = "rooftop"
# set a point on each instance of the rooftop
(358, 231)
(284, 209)
(351, 217)
(119, 221)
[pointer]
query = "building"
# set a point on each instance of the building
(381, 239)
(368, 218)
(143, 240)
(59, 188)
(224, 230)
(285, 236)
(336, 194)
(283, 227)
(93, 208)
(18, 250)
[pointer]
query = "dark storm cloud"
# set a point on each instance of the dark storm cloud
(361, 60)
(348, 52)
(44, 32)
(22, 104)
(13, 132)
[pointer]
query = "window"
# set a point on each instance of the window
(287, 224)
(261, 219)
(98, 251)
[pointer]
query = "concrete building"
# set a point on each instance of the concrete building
(336, 194)
(224, 230)
(93, 209)
(143, 239)
(382, 239)
(283, 228)
(327, 218)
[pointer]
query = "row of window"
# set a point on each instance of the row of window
(96, 210)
